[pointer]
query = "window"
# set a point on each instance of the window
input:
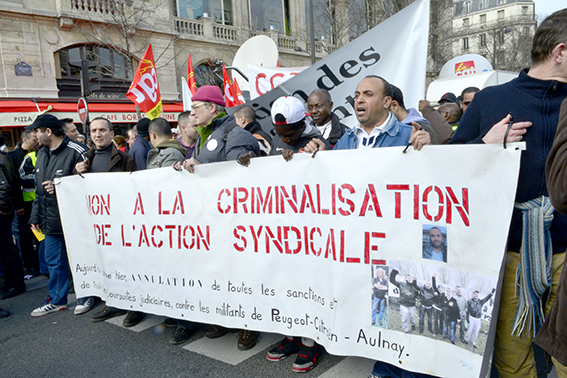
(525, 9)
(467, 7)
(526, 31)
(270, 15)
(500, 36)
(323, 13)
(501, 14)
(483, 19)
(482, 40)
(500, 2)
(500, 58)
(465, 22)
(219, 10)
(465, 43)
(112, 66)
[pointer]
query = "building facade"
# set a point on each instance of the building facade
(499, 30)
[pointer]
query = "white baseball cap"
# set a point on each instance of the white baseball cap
(291, 108)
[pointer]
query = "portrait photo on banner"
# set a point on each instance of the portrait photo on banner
(435, 242)
(433, 301)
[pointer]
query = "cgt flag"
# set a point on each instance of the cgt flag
(144, 90)
(230, 94)
(191, 77)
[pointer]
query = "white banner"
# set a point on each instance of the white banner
(294, 247)
(264, 79)
(396, 49)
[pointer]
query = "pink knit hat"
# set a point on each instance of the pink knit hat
(209, 93)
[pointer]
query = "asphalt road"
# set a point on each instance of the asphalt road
(66, 345)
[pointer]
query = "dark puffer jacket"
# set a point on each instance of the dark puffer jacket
(51, 164)
(10, 193)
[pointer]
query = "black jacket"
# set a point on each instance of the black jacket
(310, 132)
(119, 161)
(50, 164)
(255, 128)
(10, 192)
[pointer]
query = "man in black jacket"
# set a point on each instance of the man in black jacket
(246, 118)
(320, 108)
(10, 199)
(56, 159)
(105, 157)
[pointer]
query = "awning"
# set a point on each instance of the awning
(20, 113)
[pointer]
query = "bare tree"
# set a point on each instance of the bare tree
(444, 275)
(464, 278)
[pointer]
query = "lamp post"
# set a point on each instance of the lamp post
(504, 30)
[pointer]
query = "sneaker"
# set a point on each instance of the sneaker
(11, 292)
(106, 313)
(181, 335)
(283, 350)
(85, 306)
(307, 358)
(170, 322)
(133, 318)
(247, 339)
(47, 309)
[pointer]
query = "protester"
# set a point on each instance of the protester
(70, 129)
(526, 108)
(552, 336)
(438, 308)
(120, 142)
(166, 151)
(408, 295)
(435, 249)
(448, 97)
(246, 118)
(320, 107)
(379, 296)
(407, 116)
(452, 113)
(104, 157)
(442, 128)
(220, 139)
(452, 315)
(293, 133)
(18, 156)
(10, 200)
(186, 124)
(428, 293)
(467, 96)
(57, 158)
(3, 147)
(474, 314)
(81, 139)
(140, 146)
(462, 302)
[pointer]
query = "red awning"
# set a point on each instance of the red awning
(19, 113)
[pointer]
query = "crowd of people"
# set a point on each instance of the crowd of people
(525, 109)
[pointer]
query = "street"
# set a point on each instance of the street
(66, 345)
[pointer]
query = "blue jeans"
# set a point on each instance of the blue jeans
(58, 265)
(378, 309)
(43, 269)
(450, 332)
(382, 369)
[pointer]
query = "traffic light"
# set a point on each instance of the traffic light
(90, 81)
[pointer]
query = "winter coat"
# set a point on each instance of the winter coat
(166, 154)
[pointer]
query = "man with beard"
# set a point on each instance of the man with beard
(435, 249)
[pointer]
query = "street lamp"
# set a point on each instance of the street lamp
(504, 30)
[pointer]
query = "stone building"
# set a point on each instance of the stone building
(499, 30)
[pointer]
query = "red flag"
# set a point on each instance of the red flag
(191, 77)
(229, 95)
(239, 96)
(144, 90)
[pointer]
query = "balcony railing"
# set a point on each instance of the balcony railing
(190, 27)
(102, 7)
(224, 33)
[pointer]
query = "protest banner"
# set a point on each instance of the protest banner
(401, 59)
(294, 248)
(263, 79)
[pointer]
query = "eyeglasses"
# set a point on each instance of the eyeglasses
(195, 107)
